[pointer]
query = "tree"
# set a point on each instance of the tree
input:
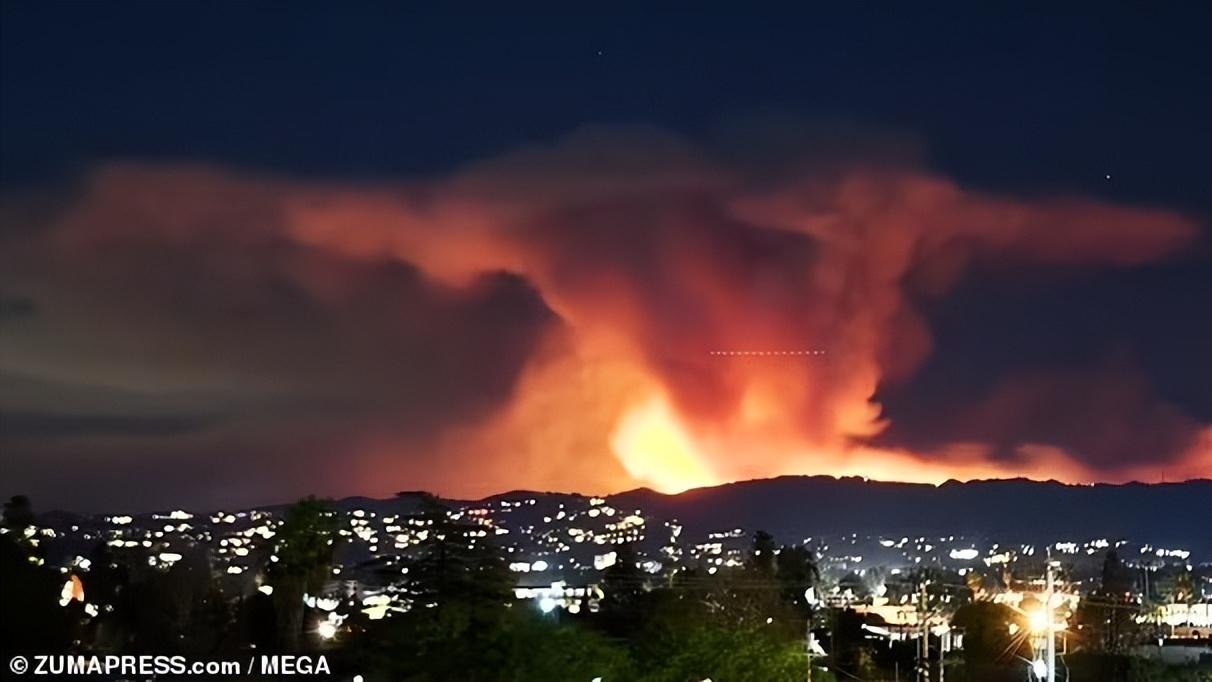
(105, 586)
(850, 649)
(177, 610)
(463, 624)
(720, 652)
(1115, 578)
(751, 594)
(259, 620)
(996, 641)
(542, 649)
(454, 641)
(305, 551)
(797, 571)
(1086, 666)
(1106, 617)
(455, 562)
(623, 585)
(32, 618)
(761, 562)
(458, 617)
(1184, 590)
(18, 513)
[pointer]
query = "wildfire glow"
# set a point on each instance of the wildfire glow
(654, 449)
(697, 324)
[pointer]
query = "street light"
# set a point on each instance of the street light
(326, 629)
(1038, 620)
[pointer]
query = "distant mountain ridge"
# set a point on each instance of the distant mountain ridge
(1018, 510)
(793, 508)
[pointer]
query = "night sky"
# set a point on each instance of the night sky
(250, 251)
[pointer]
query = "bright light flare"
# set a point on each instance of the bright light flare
(652, 445)
(326, 629)
(1038, 620)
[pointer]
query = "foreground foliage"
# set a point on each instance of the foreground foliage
(746, 623)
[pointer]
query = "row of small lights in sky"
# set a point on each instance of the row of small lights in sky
(767, 352)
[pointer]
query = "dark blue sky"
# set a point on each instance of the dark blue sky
(1033, 101)
(1007, 97)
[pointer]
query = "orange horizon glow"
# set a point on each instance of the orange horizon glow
(650, 257)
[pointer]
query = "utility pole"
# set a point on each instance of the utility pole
(1050, 643)
(942, 653)
(814, 648)
(808, 642)
(923, 656)
(1146, 595)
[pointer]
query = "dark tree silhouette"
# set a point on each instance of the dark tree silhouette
(797, 571)
(32, 619)
(18, 513)
(761, 561)
(623, 584)
(454, 563)
(991, 651)
(305, 551)
(1106, 617)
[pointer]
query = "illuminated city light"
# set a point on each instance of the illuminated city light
(326, 629)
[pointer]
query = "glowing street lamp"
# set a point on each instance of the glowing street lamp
(1038, 620)
(326, 629)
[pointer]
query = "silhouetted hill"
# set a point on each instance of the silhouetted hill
(1175, 515)
(1015, 510)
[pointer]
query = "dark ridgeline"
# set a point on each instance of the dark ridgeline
(1016, 510)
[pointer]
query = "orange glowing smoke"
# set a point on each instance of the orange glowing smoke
(652, 260)
(652, 253)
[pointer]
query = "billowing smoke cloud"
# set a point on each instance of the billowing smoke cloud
(566, 316)
(1108, 413)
